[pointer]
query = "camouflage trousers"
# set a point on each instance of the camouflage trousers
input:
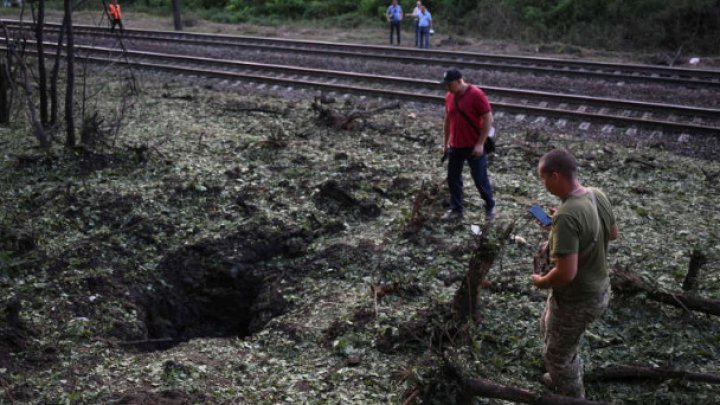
(562, 327)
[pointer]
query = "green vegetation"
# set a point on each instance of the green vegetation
(93, 243)
(609, 24)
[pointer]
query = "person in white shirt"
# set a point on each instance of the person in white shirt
(416, 16)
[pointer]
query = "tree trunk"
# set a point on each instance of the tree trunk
(485, 253)
(42, 75)
(177, 14)
(70, 87)
(34, 121)
(55, 75)
(4, 89)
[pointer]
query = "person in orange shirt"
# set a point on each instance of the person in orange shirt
(115, 16)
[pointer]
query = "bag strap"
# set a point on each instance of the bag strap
(597, 221)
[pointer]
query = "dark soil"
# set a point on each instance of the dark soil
(220, 287)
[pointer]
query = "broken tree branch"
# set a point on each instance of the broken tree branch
(623, 280)
(489, 389)
(649, 373)
(486, 251)
(697, 260)
(633, 159)
(340, 120)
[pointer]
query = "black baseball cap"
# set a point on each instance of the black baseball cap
(451, 75)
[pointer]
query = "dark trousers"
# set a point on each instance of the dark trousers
(417, 33)
(113, 23)
(424, 37)
(478, 169)
(395, 26)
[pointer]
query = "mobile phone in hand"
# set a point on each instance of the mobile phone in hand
(539, 214)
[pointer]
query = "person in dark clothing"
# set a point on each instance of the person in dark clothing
(394, 16)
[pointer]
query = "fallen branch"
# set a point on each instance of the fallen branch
(145, 341)
(632, 159)
(647, 373)
(623, 280)
(339, 120)
(489, 389)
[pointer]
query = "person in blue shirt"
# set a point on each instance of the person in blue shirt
(424, 25)
(394, 16)
(416, 17)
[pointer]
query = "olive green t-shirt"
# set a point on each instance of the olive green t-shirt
(574, 227)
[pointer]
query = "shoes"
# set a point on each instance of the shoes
(451, 215)
(490, 215)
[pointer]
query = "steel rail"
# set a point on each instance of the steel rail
(120, 57)
(480, 61)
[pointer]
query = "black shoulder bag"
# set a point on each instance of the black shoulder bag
(489, 145)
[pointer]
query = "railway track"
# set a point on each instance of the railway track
(610, 113)
(618, 73)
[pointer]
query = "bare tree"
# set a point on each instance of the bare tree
(16, 55)
(42, 74)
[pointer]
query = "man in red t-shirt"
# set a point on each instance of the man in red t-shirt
(468, 120)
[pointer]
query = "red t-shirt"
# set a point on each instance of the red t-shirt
(475, 104)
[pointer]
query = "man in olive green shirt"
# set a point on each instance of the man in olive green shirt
(581, 228)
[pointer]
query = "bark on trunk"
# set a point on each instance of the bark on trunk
(42, 74)
(177, 14)
(55, 75)
(486, 250)
(4, 90)
(70, 87)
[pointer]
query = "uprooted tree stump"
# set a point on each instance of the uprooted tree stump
(344, 120)
(486, 251)
(625, 281)
(425, 196)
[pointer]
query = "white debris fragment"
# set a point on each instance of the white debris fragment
(683, 138)
(475, 229)
(92, 298)
(519, 240)
(694, 61)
